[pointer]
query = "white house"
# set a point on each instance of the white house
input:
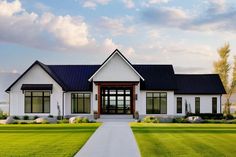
(114, 87)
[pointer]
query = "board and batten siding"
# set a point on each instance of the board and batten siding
(205, 103)
(36, 75)
(116, 69)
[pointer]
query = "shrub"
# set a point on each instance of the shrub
(33, 122)
(180, 120)
(45, 122)
(63, 121)
(22, 122)
(85, 120)
(35, 117)
(25, 117)
(78, 120)
(92, 121)
(15, 122)
(207, 115)
(229, 117)
(82, 120)
(50, 116)
(3, 115)
(59, 117)
(16, 118)
(151, 119)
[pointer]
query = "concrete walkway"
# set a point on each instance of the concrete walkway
(112, 139)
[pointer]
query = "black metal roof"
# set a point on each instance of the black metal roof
(157, 77)
(199, 84)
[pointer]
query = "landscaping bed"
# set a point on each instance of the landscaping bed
(44, 139)
(193, 140)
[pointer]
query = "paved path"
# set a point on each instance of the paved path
(112, 139)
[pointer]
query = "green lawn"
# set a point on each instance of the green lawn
(213, 140)
(44, 139)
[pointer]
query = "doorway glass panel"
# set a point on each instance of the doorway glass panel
(116, 100)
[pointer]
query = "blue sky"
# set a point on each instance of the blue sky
(185, 33)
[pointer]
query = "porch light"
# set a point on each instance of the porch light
(136, 96)
(96, 97)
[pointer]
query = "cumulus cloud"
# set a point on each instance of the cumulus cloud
(116, 26)
(129, 3)
(168, 16)
(218, 16)
(92, 4)
(46, 31)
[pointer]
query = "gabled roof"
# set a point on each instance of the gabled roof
(157, 77)
(45, 68)
(109, 58)
(199, 84)
(75, 77)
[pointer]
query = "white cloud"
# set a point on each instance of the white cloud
(168, 16)
(158, 1)
(129, 3)
(8, 9)
(46, 31)
(92, 4)
(116, 26)
(218, 16)
(71, 31)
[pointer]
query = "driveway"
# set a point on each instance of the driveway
(112, 139)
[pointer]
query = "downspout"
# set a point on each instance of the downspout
(63, 104)
(220, 103)
(9, 103)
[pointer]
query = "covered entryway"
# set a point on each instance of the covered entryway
(116, 100)
(116, 97)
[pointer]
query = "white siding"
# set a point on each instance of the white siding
(205, 103)
(116, 69)
(36, 75)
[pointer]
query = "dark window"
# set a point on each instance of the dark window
(80, 102)
(214, 105)
(37, 102)
(179, 105)
(156, 103)
(197, 104)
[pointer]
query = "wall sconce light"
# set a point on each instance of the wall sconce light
(136, 96)
(96, 97)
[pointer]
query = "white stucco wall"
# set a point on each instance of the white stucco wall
(116, 69)
(205, 103)
(36, 75)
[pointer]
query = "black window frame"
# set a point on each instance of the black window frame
(160, 97)
(179, 107)
(43, 102)
(196, 107)
(214, 106)
(84, 98)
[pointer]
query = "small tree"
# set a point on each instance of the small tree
(59, 111)
(222, 67)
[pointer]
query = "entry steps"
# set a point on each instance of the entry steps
(116, 118)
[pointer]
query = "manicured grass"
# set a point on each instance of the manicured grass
(44, 139)
(185, 139)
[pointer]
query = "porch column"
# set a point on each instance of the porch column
(134, 99)
(99, 101)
